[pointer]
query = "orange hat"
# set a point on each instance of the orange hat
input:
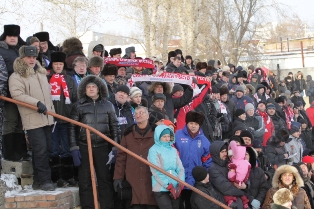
(308, 159)
(168, 123)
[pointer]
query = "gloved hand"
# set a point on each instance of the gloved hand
(179, 189)
(194, 80)
(256, 204)
(76, 154)
(112, 157)
(117, 183)
(41, 108)
(172, 191)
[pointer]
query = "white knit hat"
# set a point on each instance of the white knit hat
(134, 91)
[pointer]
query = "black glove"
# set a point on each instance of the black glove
(41, 108)
(116, 183)
(219, 115)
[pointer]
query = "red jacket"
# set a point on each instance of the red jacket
(310, 114)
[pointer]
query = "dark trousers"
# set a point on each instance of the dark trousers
(40, 139)
(104, 179)
(12, 122)
(144, 207)
(60, 143)
(164, 200)
(185, 198)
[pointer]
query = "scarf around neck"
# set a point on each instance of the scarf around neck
(58, 83)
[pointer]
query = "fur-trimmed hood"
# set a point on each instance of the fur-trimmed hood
(251, 88)
(103, 91)
(20, 67)
(167, 87)
(91, 46)
(287, 169)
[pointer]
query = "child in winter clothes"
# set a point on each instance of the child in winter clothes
(163, 155)
(239, 170)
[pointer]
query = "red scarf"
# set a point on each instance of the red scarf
(269, 126)
(289, 115)
(57, 82)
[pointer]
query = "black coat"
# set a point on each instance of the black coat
(99, 114)
(218, 174)
(300, 84)
(60, 107)
(199, 202)
(171, 68)
(306, 135)
(295, 99)
(275, 153)
(279, 123)
(238, 122)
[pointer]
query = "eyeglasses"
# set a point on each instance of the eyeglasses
(140, 113)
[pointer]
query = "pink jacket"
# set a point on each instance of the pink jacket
(241, 166)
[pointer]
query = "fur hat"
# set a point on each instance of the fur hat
(28, 51)
(241, 74)
(57, 57)
(158, 96)
(96, 62)
(44, 36)
(166, 86)
(199, 173)
(197, 117)
(239, 112)
(109, 69)
(224, 90)
(176, 88)
(134, 91)
(286, 169)
(103, 91)
(115, 51)
(12, 30)
(72, 44)
(282, 196)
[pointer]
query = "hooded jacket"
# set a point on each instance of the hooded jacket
(98, 114)
(91, 46)
(299, 83)
(309, 91)
(30, 85)
(193, 152)
(300, 199)
(218, 174)
(165, 156)
(171, 103)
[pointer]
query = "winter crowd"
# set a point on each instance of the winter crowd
(244, 139)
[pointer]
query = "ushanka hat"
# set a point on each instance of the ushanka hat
(109, 69)
(115, 51)
(44, 36)
(28, 51)
(12, 30)
(57, 57)
(197, 117)
(96, 62)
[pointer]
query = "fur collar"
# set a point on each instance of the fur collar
(4, 45)
(287, 169)
(20, 67)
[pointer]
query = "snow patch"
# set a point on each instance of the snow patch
(11, 184)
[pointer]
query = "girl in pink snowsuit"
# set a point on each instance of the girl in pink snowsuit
(239, 170)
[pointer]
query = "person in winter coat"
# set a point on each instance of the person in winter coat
(63, 95)
(171, 103)
(306, 176)
(95, 49)
(12, 137)
(294, 145)
(239, 171)
(108, 75)
(136, 97)
(254, 122)
(290, 82)
(287, 176)
(193, 147)
(174, 66)
(73, 48)
(29, 84)
(260, 94)
(258, 186)
(240, 100)
(41, 57)
(282, 88)
(139, 138)
(189, 63)
(309, 91)
(123, 109)
(254, 82)
(45, 45)
(299, 82)
(159, 101)
(239, 120)
(218, 173)
(262, 160)
(302, 114)
(272, 78)
(226, 124)
(130, 53)
(93, 109)
(163, 155)
(276, 151)
(277, 121)
(202, 182)
(297, 97)
(306, 135)
(115, 52)
(268, 124)
(283, 199)
(177, 92)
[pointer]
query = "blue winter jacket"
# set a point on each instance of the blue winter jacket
(193, 152)
(163, 155)
(240, 103)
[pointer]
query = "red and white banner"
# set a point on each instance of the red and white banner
(170, 78)
(145, 63)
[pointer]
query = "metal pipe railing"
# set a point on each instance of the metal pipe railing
(91, 129)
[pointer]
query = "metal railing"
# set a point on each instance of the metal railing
(90, 154)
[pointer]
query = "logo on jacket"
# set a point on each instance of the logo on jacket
(199, 143)
(184, 140)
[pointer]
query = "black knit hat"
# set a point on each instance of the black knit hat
(199, 173)
(154, 117)
(176, 88)
(237, 139)
(257, 143)
(239, 112)
(246, 133)
(158, 96)
(124, 89)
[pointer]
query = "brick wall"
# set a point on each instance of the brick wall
(61, 200)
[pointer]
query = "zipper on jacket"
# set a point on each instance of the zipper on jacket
(95, 123)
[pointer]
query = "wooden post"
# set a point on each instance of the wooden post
(302, 54)
(91, 167)
(288, 44)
